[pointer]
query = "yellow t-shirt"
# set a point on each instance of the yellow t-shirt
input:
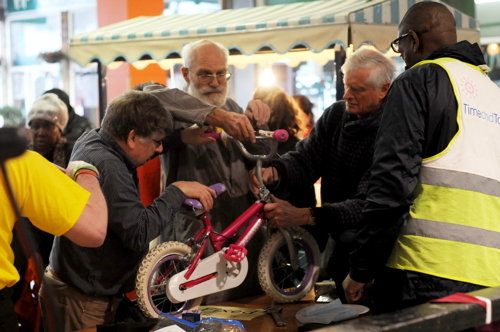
(45, 195)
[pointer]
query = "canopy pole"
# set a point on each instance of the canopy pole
(101, 72)
(340, 57)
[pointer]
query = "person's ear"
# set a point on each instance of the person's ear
(185, 72)
(384, 90)
(132, 139)
(415, 41)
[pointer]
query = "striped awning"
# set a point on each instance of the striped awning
(316, 26)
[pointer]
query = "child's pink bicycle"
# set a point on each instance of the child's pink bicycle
(173, 277)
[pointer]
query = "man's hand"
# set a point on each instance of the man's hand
(194, 136)
(355, 291)
(283, 214)
(269, 176)
(196, 190)
(235, 125)
(258, 111)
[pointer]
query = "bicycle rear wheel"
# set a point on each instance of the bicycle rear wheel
(159, 265)
(276, 276)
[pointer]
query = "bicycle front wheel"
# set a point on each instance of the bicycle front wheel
(159, 265)
(276, 276)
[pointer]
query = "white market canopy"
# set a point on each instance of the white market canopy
(316, 26)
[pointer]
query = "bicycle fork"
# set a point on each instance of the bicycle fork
(294, 259)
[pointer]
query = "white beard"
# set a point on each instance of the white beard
(207, 94)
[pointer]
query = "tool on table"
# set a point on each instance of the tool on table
(274, 311)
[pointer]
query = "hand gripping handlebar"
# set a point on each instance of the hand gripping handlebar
(280, 135)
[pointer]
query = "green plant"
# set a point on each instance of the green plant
(12, 116)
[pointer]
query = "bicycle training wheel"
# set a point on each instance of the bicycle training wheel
(159, 265)
(276, 276)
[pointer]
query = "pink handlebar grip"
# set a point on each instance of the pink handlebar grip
(217, 136)
(281, 135)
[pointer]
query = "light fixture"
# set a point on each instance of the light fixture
(267, 77)
(493, 49)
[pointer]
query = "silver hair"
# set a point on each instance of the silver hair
(383, 67)
(188, 49)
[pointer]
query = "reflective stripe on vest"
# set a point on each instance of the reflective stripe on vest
(453, 229)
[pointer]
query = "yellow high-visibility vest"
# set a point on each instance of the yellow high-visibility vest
(453, 228)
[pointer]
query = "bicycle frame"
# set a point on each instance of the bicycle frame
(253, 217)
(255, 211)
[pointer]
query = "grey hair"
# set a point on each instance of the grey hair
(137, 110)
(383, 68)
(188, 49)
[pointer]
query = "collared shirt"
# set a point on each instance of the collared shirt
(111, 268)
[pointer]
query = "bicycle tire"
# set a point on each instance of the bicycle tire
(276, 276)
(151, 282)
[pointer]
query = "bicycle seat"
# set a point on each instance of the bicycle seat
(193, 202)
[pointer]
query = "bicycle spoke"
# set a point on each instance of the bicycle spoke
(285, 278)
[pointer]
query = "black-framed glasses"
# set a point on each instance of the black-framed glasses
(157, 143)
(221, 78)
(395, 42)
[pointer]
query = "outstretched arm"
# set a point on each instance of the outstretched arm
(90, 229)
(187, 108)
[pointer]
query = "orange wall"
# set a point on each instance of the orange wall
(113, 11)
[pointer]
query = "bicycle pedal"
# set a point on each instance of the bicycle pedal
(235, 253)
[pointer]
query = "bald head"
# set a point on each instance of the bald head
(433, 20)
(433, 23)
(193, 52)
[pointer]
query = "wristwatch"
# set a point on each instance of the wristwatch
(312, 220)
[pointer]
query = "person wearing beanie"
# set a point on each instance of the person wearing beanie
(47, 119)
(77, 124)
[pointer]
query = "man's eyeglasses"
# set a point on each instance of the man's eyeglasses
(221, 78)
(157, 143)
(395, 42)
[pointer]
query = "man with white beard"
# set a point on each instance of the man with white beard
(206, 74)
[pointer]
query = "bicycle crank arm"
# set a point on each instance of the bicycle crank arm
(227, 275)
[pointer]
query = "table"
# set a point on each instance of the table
(264, 322)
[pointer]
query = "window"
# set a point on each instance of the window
(31, 37)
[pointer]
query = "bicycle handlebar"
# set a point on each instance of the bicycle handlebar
(280, 135)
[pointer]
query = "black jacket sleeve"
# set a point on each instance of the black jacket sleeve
(419, 121)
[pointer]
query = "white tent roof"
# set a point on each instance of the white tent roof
(317, 26)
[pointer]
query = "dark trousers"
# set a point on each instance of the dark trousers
(397, 289)
(338, 265)
(8, 318)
